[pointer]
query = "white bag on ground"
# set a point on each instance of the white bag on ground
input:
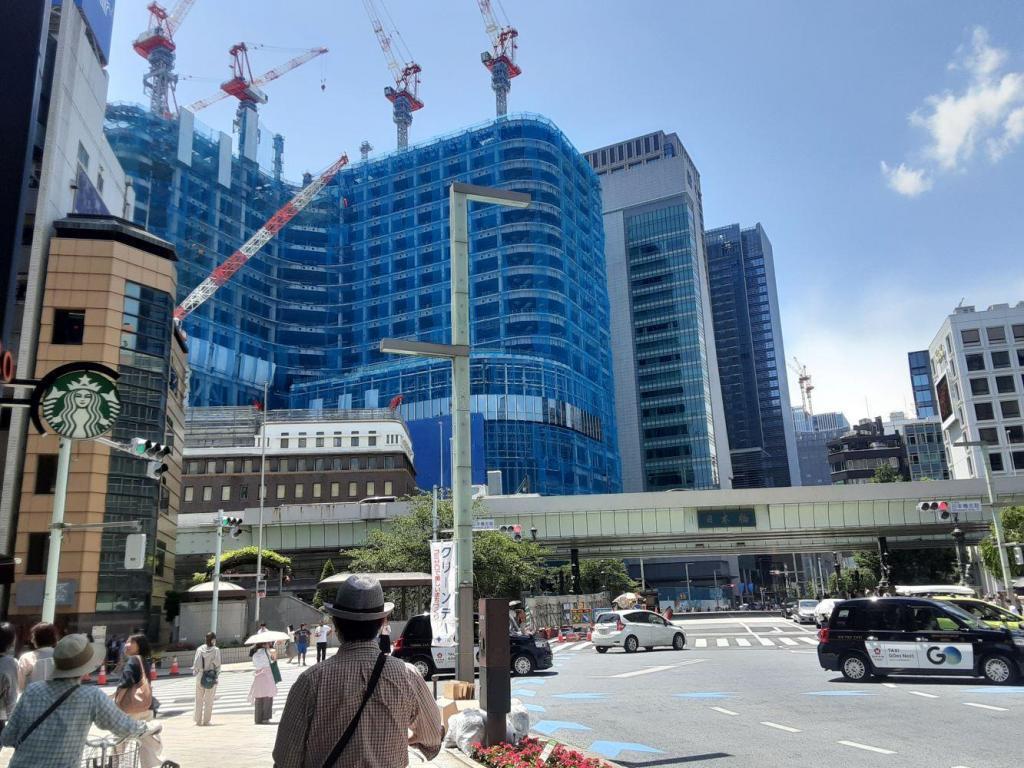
(517, 722)
(466, 729)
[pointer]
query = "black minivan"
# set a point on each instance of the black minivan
(913, 636)
(528, 653)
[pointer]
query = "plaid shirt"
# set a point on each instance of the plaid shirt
(324, 699)
(59, 740)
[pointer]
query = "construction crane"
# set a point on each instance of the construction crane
(403, 96)
(246, 88)
(261, 237)
(501, 59)
(804, 379)
(156, 46)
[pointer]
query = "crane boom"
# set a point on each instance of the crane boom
(288, 66)
(274, 224)
(384, 39)
(175, 17)
(490, 22)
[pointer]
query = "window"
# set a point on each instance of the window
(225, 493)
(207, 493)
(284, 442)
(38, 554)
(983, 411)
(243, 492)
(300, 465)
(211, 467)
(995, 462)
(1004, 384)
(1018, 332)
(1010, 409)
(316, 490)
(319, 465)
(1018, 459)
(281, 490)
(1015, 434)
(190, 493)
(192, 468)
(337, 442)
(46, 473)
(302, 442)
(996, 334)
(319, 442)
(247, 466)
(371, 488)
(83, 157)
(979, 387)
(68, 326)
(924, 618)
(229, 466)
(300, 490)
(335, 490)
(1000, 359)
(970, 336)
(975, 362)
(989, 435)
(388, 488)
(371, 440)
(355, 441)
(284, 465)
(352, 489)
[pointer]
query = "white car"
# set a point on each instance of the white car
(635, 629)
(804, 611)
(823, 611)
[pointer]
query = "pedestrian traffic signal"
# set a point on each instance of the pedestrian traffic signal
(941, 507)
(512, 531)
(1018, 556)
(235, 524)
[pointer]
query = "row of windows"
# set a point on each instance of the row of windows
(1009, 409)
(998, 464)
(995, 334)
(298, 491)
(300, 464)
(1000, 359)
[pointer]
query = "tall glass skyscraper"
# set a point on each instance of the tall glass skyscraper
(668, 402)
(751, 357)
(922, 384)
(369, 260)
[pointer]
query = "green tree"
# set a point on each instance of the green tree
(1013, 530)
(910, 566)
(501, 567)
(606, 575)
(319, 597)
(886, 474)
(239, 558)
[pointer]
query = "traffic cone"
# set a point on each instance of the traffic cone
(152, 671)
(101, 678)
(174, 666)
(561, 639)
(590, 634)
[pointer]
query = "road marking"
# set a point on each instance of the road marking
(785, 728)
(701, 642)
(766, 641)
(704, 695)
(646, 671)
(724, 711)
(722, 642)
(690, 661)
(757, 636)
(787, 641)
(808, 640)
(742, 642)
(923, 694)
(985, 706)
(889, 685)
(584, 646)
(867, 747)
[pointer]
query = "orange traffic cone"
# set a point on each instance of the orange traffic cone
(590, 634)
(174, 666)
(152, 671)
(101, 678)
(561, 638)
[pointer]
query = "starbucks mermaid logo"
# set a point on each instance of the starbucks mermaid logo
(81, 405)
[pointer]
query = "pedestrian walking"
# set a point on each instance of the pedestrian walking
(264, 686)
(8, 672)
(37, 665)
(50, 723)
(301, 644)
(289, 647)
(134, 696)
(385, 637)
(323, 631)
(361, 702)
(206, 669)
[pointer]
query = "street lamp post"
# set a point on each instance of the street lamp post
(997, 523)
(263, 493)
(689, 590)
(459, 197)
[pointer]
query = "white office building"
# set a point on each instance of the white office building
(977, 362)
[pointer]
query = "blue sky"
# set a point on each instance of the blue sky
(878, 143)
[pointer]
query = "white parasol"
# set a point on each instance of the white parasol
(270, 636)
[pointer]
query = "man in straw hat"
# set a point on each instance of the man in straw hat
(52, 718)
(357, 708)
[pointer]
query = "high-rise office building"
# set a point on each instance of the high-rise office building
(368, 260)
(922, 438)
(751, 357)
(922, 384)
(977, 363)
(813, 434)
(668, 400)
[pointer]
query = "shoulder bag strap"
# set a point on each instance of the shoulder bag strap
(347, 735)
(39, 721)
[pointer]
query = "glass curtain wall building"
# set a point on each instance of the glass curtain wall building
(751, 357)
(369, 260)
(922, 384)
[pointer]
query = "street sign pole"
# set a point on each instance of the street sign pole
(60, 493)
(216, 571)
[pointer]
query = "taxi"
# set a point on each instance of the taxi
(989, 613)
(877, 637)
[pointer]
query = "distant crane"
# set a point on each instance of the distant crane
(246, 88)
(261, 237)
(156, 45)
(403, 96)
(804, 380)
(501, 59)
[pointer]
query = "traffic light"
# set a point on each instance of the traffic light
(512, 531)
(235, 524)
(155, 452)
(1018, 556)
(942, 507)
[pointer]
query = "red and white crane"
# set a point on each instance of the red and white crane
(156, 45)
(501, 59)
(261, 237)
(404, 96)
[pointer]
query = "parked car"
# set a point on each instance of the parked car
(631, 630)
(528, 653)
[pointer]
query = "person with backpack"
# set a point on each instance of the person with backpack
(8, 673)
(37, 665)
(52, 718)
(206, 668)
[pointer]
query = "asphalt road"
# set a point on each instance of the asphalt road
(764, 706)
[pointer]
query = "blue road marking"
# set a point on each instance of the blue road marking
(548, 727)
(839, 693)
(704, 695)
(612, 749)
(582, 696)
(524, 692)
(997, 689)
(533, 681)
(534, 707)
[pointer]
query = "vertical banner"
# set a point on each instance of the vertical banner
(442, 593)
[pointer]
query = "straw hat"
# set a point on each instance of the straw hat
(74, 656)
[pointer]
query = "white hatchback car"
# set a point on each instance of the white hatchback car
(635, 629)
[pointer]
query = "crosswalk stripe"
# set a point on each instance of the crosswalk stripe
(700, 642)
(808, 640)
(787, 641)
(742, 642)
(558, 648)
(722, 642)
(585, 646)
(766, 641)
(646, 671)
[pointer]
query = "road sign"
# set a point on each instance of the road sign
(484, 524)
(81, 405)
(963, 507)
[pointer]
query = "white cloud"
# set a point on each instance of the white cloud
(908, 181)
(988, 111)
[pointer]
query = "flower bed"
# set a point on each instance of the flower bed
(526, 754)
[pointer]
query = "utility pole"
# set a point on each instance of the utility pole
(263, 480)
(60, 494)
(997, 521)
(216, 571)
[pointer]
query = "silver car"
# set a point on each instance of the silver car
(804, 613)
(635, 629)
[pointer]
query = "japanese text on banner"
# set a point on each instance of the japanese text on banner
(442, 594)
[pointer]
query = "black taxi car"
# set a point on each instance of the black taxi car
(913, 636)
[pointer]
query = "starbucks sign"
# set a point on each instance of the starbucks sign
(81, 404)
